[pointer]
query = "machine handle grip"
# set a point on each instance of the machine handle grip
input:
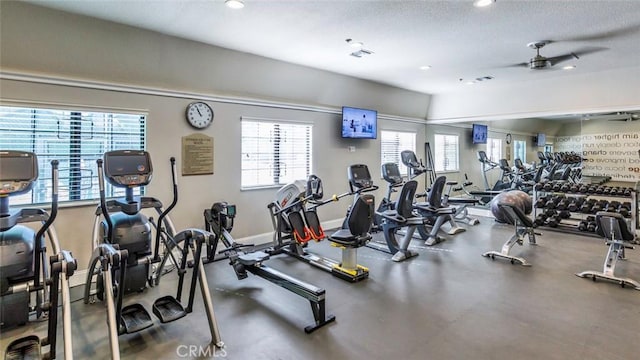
(173, 172)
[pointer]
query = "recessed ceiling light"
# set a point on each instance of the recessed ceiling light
(470, 82)
(425, 67)
(483, 3)
(568, 67)
(234, 4)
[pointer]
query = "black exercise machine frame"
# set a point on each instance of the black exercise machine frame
(253, 262)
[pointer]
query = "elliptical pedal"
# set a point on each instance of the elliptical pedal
(168, 309)
(135, 318)
(27, 347)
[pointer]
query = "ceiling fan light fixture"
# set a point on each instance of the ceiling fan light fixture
(483, 3)
(234, 4)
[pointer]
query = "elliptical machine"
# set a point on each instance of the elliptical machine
(124, 258)
(23, 262)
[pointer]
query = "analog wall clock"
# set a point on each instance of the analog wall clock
(199, 115)
(508, 139)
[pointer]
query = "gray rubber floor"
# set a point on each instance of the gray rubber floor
(447, 303)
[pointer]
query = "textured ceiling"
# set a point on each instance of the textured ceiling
(458, 40)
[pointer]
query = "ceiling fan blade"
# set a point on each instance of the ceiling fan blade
(605, 34)
(518, 65)
(557, 59)
(575, 54)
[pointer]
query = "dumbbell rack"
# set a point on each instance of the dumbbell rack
(570, 225)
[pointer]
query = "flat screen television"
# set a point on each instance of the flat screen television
(541, 140)
(479, 133)
(359, 123)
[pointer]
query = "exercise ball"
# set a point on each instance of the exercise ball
(526, 199)
(505, 198)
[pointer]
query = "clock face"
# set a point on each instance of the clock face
(199, 115)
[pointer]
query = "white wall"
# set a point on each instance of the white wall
(74, 60)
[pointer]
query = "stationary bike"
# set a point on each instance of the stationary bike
(125, 260)
(25, 267)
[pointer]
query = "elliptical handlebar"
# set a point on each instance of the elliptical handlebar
(54, 200)
(103, 199)
(47, 224)
(174, 181)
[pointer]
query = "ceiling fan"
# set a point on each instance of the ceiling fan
(540, 62)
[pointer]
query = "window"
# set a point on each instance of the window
(392, 143)
(446, 153)
(76, 138)
(548, 148)
(274, 153)
(494, 149)
(520, 150)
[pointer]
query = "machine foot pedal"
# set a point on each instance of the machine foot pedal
(168, 309)
(24, 348)
(135, 318)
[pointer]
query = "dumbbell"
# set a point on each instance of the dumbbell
(586, 206)
(540, 219)
(613, 206)
(583, 189)
(556, 186)
(600, 190)
(564, 214)
(538, 186)
(565, 187)
(547, 186)
(599, 206)
(582, 226)
(553, 221)
(550, 212)
(552, 202)
(574, 188)
(591, 224)
(625, 209)
(591, 189)
(541, 201)
(575, 204)
(563, 204)
(626, 192)
(607, 190)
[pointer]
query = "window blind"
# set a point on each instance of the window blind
(520, 150)
(494, 149)
(274, 153)
(392, 143)
(446, 152)
(75, 138)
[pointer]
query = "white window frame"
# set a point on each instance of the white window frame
(270, 160)
(494, 149)
(76, 137)
(392, 143)
(443, 144)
